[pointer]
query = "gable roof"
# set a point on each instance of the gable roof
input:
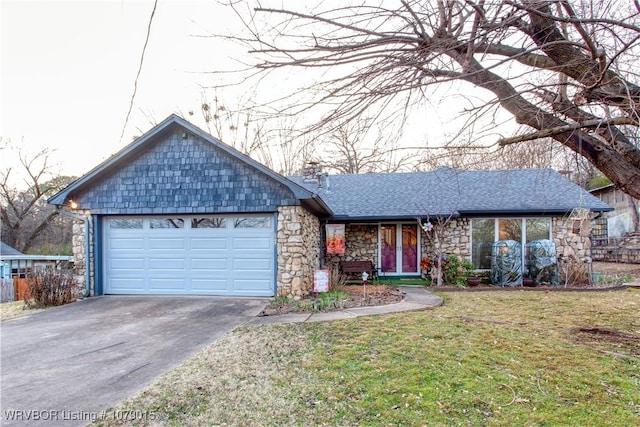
(447, 191)
(308, 198)
(8, 250)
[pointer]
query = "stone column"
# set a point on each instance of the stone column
(82, 260)
(298, 240)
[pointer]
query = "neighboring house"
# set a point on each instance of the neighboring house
(614, 225)
(615, 234)
(178, 212)
(14, 263)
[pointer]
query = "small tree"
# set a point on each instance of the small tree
(27, 221)
(434, 236)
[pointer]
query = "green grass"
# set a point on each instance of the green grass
(482, 359)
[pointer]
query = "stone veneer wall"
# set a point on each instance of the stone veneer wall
(82, 260)
(455, 239)
(361, 244)
(572, 238)
(573, 246)
(627, 251)
(298, 243)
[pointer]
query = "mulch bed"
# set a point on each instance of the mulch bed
(385, 294)
(357, 297)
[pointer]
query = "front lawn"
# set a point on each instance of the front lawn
(484, 358)
(15, 309)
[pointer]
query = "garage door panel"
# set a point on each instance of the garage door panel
(251, 287)
(209, 285)
(167, 264)
(167, 284)
(196, 261)
(127, 284)
(169, 273)
(159, 243)
(209, 244)
(126, 243)
(209, 265)
(251, 243)
(126, 264)
(252, 264)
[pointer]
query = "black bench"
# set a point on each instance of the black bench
(358, 267)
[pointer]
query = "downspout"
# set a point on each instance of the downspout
(321, 243)
(87, 247)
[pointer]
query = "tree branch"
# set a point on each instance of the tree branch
(545, 133)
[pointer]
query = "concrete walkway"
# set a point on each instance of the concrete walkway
(415, 298)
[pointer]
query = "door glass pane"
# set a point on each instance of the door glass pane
(388, 253)
(209, 222)
(252, 222)
(121, 224)
(167, 223)
(409, 249)
(538, 228)
(482, 237)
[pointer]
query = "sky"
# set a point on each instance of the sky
(68, 72)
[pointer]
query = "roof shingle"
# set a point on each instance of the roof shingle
(448, 191)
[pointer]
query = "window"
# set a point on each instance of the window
(538, 228)
(252, 222)
(125, 224)
(167, 223)
(212, 222)
(482, 236)
(486, 231)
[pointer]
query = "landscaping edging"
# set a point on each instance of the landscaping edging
(530, 289)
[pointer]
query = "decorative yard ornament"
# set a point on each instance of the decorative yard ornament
(365, 282)
(365, 276)
(427, 227)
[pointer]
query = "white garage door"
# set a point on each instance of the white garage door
(190, 255)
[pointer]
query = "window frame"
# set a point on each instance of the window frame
(496, 233)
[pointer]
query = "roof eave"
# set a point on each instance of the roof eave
(527, 212)
(380, 218)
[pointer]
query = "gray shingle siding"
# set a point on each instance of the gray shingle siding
(176, 175)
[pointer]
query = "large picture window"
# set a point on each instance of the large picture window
(486, 231)
(482, 235)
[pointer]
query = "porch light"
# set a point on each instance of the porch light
(73, 204)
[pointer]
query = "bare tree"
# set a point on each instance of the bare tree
(563, 69)
(236, 126)
(273, 141)
(359, 147)
(27, 221)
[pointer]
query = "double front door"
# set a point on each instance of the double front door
(399, 249)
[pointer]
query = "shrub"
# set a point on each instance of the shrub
(49, 287)
(332, 299)
(456, 271)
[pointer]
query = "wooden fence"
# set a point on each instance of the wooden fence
(6, 289)
(20, 289)
(14, 289)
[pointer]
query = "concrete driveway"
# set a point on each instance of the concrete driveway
(66, 365)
